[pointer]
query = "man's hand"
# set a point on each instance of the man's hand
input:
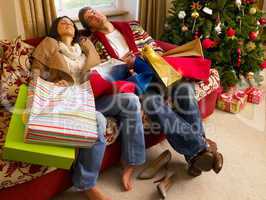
(62, 83)
(129, 59)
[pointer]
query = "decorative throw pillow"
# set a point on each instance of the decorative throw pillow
(15, 69)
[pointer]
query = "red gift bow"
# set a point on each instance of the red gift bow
(238, 95)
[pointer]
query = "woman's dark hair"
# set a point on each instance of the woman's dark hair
(53, 33)
(82, 20)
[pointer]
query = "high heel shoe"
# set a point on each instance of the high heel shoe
(165, 185)
(154, 166)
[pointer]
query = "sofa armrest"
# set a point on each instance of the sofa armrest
(165, 45)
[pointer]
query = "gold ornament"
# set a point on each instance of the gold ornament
(250, 76)
(184, 28)
(252, 11)
(195, 15)
(250, 46)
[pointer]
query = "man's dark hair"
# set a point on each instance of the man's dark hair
(82, 20)
(53, 33)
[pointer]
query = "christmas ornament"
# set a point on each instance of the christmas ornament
(218, 28)
(184, 28)
(249, 1)
(230, 32)
(166, 26)
(196, 6)
(263, 65)
(207, 10)
(208, 43)
(250, 79)
(252, 11)
(243, 83)
(238, 57)
(195, 15)
(262, 21)
(253, 35)
(258, 78)
(182, 14)
(238, 3)
(250, 46)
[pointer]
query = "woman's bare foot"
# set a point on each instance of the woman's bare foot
(95, 194)
(127, 177)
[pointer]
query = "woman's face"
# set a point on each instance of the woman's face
(65, 27)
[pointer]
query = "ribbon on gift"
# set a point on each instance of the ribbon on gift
(238, 95)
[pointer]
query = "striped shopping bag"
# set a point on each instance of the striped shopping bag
(61, 115)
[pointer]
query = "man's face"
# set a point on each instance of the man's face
(95, 19)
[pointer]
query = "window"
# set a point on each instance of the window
(71, 7)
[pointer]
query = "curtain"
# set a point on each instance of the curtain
(152, 16)
(37, 16)
(260, 4)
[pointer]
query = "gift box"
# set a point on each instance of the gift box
(232, 103)
(15, 148)
(254, 95)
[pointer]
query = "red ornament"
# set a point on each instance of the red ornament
(249, 1)
(263, 65)
(208, 43)
(252, 36)
(262, 21)
(230, 32)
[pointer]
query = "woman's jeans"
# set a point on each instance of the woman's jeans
(181, 122)
(89, 160)
(126, 108)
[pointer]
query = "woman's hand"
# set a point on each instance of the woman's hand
(62, 83)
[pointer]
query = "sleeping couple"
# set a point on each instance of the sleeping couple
(64, 58)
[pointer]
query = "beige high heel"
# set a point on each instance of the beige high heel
(166, 184)
(154, 166)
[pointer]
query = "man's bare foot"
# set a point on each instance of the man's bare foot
(95, 194)
(127, 177)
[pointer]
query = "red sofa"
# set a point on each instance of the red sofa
(48, 185)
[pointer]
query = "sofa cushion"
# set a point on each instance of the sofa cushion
(15, 69)
(12, 173)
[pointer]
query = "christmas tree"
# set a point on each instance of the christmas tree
(231, 31)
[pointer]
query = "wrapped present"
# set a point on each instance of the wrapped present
(232, 103)
(254, 95)
(15, 148)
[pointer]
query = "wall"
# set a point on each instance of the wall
(131, 6)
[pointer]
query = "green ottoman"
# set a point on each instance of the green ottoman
(15, 148)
